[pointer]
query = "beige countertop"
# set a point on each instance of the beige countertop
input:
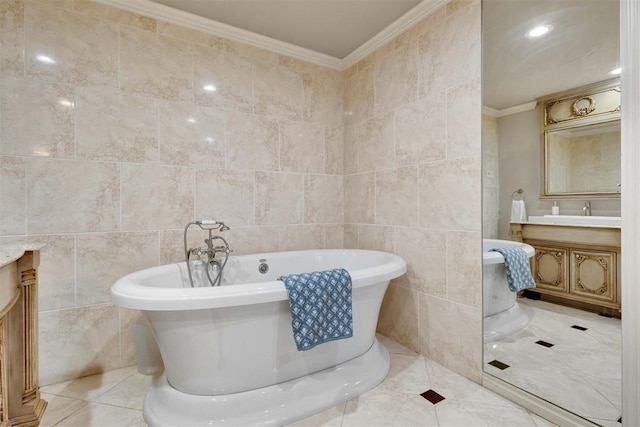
(10, 253)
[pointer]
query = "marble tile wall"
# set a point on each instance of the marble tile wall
(490, 177)
(117, 129)
(413, 180)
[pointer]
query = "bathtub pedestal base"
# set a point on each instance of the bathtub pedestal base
(506, 323)
(274, 405)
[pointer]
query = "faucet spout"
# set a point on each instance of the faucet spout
(586, 210)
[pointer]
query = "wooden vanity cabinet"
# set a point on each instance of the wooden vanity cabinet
(20, 402)
(576, 263)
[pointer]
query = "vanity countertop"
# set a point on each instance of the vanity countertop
(10, 253)
(569, 225)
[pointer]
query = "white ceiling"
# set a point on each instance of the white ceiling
(332, 27)
(582, 48)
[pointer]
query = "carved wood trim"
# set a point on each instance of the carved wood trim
(28, 281)
(4, 404)
(602, 290)
(21, 405)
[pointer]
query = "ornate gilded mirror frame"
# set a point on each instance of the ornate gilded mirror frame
(573, 111)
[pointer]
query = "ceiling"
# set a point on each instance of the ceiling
(582, 48)
(332, 27)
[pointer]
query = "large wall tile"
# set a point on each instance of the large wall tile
(464, 267)
(396, 78)
(449, 56)
(323, 199)
(359, 198)
(253, 240)
(351, 236)
(334, 150)
(301, 237)
(36, 118)
(279, 198)
(322, 97)
(77, 342)
(56, 273)
(13, 200)
(191, 135)
(450, 194)
(451, 334)
(126, 320)
(277, 91)
(420, 131)
(154, 65)
(425, 252)
(104, 258)
(66, 196)
(115, 126)
(225, 196)
(375, 238)
(191, 36)
(114, 14)
(12, 37)
(399, 318)
(359, 96)
(350, 149)
(69, 47)
(464, 120)
(171, 204)
(222, 79)
(301, 147)
(375, 144)
(252, 142)
(334, 236)
(397, 197)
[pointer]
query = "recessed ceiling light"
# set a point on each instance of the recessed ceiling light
(539, 31)
(209, 88)
(191, 120)
(616, 71)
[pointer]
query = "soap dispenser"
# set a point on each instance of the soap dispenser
(555, 209)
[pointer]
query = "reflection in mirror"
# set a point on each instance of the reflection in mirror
(559, 341)
(583, 159)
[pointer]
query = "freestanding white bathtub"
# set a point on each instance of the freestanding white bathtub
(228, 351)
(502, 314)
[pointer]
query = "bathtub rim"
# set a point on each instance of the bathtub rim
(489, 258)
(127, 292)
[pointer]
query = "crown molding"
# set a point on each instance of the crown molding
(490, 111)
(195, 22)
(515, 109)
(199, 23)
(397, 27)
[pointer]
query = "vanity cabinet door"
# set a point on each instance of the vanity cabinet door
(549, 268)
(593, 274)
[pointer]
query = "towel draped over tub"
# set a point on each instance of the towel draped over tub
(321, 306)
(516, 263)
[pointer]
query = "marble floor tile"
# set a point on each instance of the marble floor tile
(97, 415)
(457, 413)
(116, 398)
(91, 387)
(59, 408)
(581, 372)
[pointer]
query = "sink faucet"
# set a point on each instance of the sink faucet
(586, 211)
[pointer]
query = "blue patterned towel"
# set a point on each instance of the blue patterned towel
(320, 306)
(516, 263)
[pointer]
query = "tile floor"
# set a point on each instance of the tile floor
(580, 371)
(115, 399)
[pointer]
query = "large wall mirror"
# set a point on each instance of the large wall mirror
(583, 160)
(563, 345)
